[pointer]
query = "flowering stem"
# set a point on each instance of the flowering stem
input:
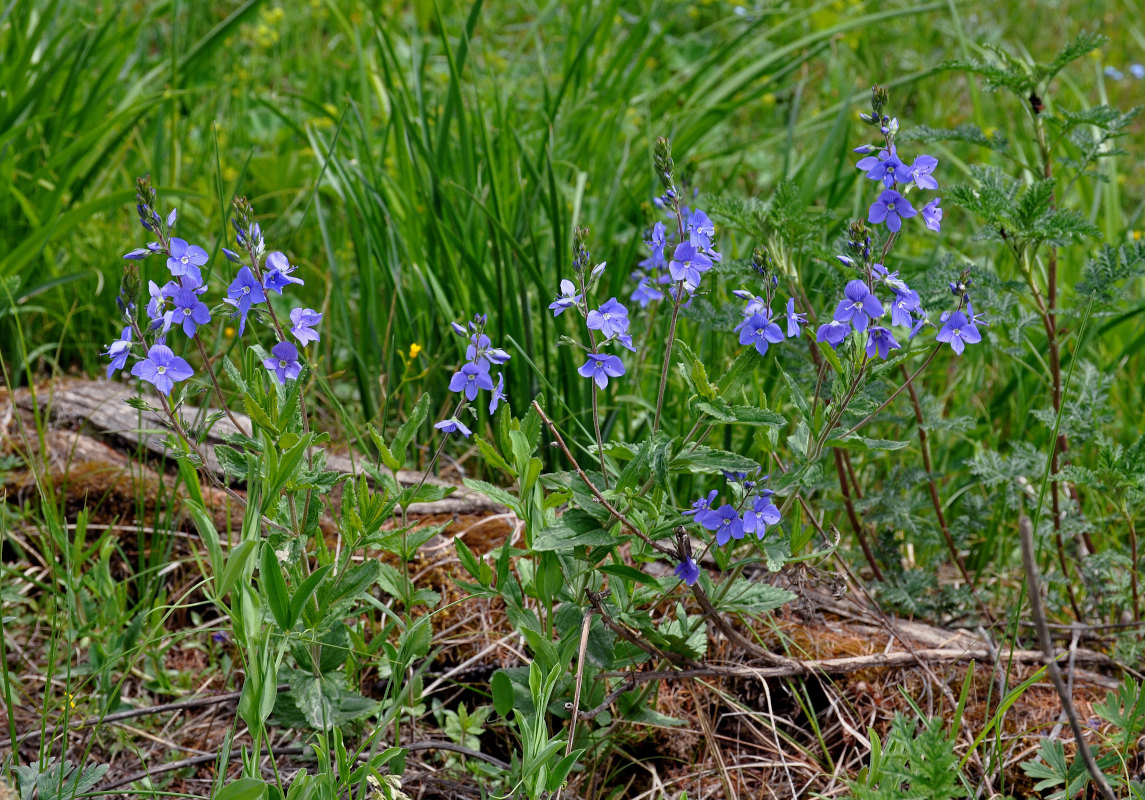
(611, 509)
(895, 393)
(856, 524)
(667, 356)
(218, 390)
(599, 441)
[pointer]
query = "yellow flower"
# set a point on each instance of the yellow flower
(71, 700)
(229, 332)
(1136, 236)
(414, 349)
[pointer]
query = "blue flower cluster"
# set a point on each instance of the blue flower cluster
(475, 374)
(691, 257)
(752, 510)
(178, 303)
(861, 309)
(759, 327)
(610, 319)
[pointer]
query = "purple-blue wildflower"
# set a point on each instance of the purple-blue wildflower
(283, 362)
(901, 307)
(185, 259)
(724, 521)
(702, 504)
(162, 368)
(469, 379)
(886, 168)
(118, 351)
(244, 292)
(921, 171)
(833, 333)
(567, 299)
(278, 276)
(760, 331)
(645, 293)
(303, 321)
(762, 513)
(453, 425)
(611, 319)
(687, 265)
(688, 571)
(794, 319)
(932, 214)
(189, 312)
(859, 305)
(600, 367)
(958, 331)
(880, 340)
(498, 393)
(892, 208)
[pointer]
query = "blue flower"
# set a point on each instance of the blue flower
(702, 504)
(880, 340)
(278, 277)
(189, 312)
(243, 293)
(469, 379)
(957, 331)
(700, 230)
(283, 362)
(568, 298)
(453, 425)
(118, 351)
(1137, 71)
(688, 571)
(759, 331)
(859, 306)
(498, 393)
(162, 368)
(724, 521)
(611, 319)
(1113, 73)
(645, 293)
(932, 214)
(303, 321)
(762, 513)
(794, 320)
(833, 333)
(687, 265)
(185, 259)
(921, 171)
(600, 367)
(886, 167)
(137, 254)
(892, 208)
(902, 306)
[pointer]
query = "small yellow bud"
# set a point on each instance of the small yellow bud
(414, 349)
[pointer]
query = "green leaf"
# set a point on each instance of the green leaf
(494, 493)
(275, 588)
(855, 441)
(503, 693)
(572, 529)
(406, 432)
(242, 789)
(753, 597)
(259, 415)
(307, 588)
(629, 573)
(236, 563)
(702, 459)
(492, 457)
(383, 451)
(210, 537)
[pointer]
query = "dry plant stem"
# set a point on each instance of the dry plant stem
(1133, 554)
(584, 628)
(290, 751)
(624, 633)
(162, 708)
(218, 390)
(927, 464)
(854, 517)
(735, 636)
(611, 509)
(713, 743)
(1034, 589)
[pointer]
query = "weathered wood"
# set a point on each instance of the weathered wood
(108, 427)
